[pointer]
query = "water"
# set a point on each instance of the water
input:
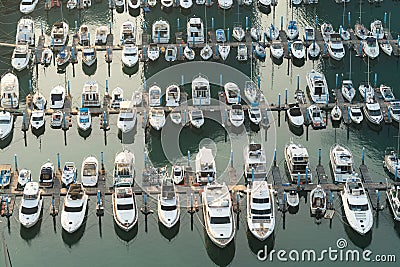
(101, 243)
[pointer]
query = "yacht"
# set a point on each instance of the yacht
(291, 31)
(171, 53)
(342, 163)
(361, 31)
(47, 175)
(298, 50)
(393, 196)
(255, 162)
(124, 168)
(196, 118)
(90, 171)
(69, 173)
(6, 124)
(128, 32)
(124, 207)
(356, 115)
(74, 208)
(356, 206)
(101, 35)
(186, 4)
(130, 55)
(387, 93)
(31, 205)
(335, 47)
(24, 177)
(372, 112)
(178, 174)
(316, 116)
(173, 95)
(370, 47)
(297, 163)
(157, 118)
(91, 94)
(224, 50)
(161, 32)
(236, 115)
(84, 119)
(9, 90)
(394, 109)
(366, 91)
(318, 86)
(27, 6)
(168, 204)
(225, 4)
(59, 33)
(57, 97)
(89, 56)
(276, 49)
(206, 170)
(206, 52)
(242, 52)
(377, 29)
(126, 117)
(318, 201)
(201, 91)
(155, 96)
(25, 31)
(154, 52)
(309, 33)
(232, 93)
(195, 31)
(117, 96)
(20, 57)
(260, 209)
(37, 119)
(218, 214)
(295, 115)
(238, 33)
(189, 53)
(326, 30)
(348, 90)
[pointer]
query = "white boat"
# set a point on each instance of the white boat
(9, 90)
(386, 47)
(128, 32)
(176, 117)
(69, 173)
(119, 4)
(63, 57)
(361, 31)
(134, 4)
(91, 94)
(59, 33)
(31, 205)
(241, 52)
(236, 115)
(84, 35)
(255, 33)
(342, 163)
(377, 29)
(137, 97)
(161, 32)
(295, 115)
(5, 177)
(318, 86)
(272, 32)
(348, 90)
(386, 92)
(57, 119)
(394, 109)
(189, 53)
(309, 33)
(326, 30)
(298, 50)
(232, 93)
(84, 119)
(260, 209)
(154, 52)
(218, 214)
(155, 96)
(47, 56)
(24, 177)
(296, 2)
(259, 50)
(37, 119)
(206, 170)
(47, 175)
(318, 201)
(186, 4)
(366, 91)
(255, 163)
(291, 31)
(372, 112)
(264, 3)
(344, 34)
(238, 33)
(173, 95)
(168, 204)
(356, 115)
(21, 57)
(126, 117)
(130, 55)
(25, 31)
(252, 92)
(27, 6)
(157, 118)
(90, 171)
(206, 52)
(370, 47)
(196, 118)
(393, 196)
(356, 206)
(293, 199)
(335, 47)
(225, 4)
(74, 209)
(124, 168)
(57, 97)
(170, 53)
(101, 35)
(39, 101)
(297, 163)
(336, 114)
(6, 124)
(201, 91)
(316, 116)
(224, 50)
(117, 96)
(152, 3)
(71, 4)
(314, 50)
(178, 174)
(276, 50)
(124, 207)
(195, 31)
(254, 113)
(167, 3)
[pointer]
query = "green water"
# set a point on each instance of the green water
(102, 243)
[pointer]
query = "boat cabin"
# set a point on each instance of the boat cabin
(91, 95)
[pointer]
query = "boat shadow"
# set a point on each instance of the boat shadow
(89, 70)
(72, 239)
(264, 9)
(277, 61)
(28, 234)
(130, 71)
(357, 239)
(296, 130)
(134, 12)
(186, 11)
(120, 9)
(6, 142)
(39, 132)
(397, 227)
(220, 256)
(298, 62)
(129, 137)
(126, 236)
(169, 233)
(85, 134)
(256, 245)
(374, 127)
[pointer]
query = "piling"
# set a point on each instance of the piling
(15, 162)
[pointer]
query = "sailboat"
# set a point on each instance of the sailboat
(360, 30)
(365, 88)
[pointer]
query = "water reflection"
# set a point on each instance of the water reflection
(220, 256)
(85, 134)
(169, 233)
(130, 71)
(89, 70)
(126, 236)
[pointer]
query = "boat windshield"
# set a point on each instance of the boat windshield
(376, 112)
(37, 118)
(89, 169)
(358, 207)
(130, 54)
(298, 46)
(168, 208)
(27, 2)
(220, 220)
(56, 97)
(18, 55)
(337, 50)
(395, 111)
(4, 121)
(261, 212)
(126, 119)
(29, 211)
(28, 197)
(356, 113)
(260, 200)
(124, 206)
(344, 169)
(73, 209)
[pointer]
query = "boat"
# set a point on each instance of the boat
(37, 119)
(152, 3)
(372, 112)
(196, 118)
(295, 115)
(117, 96)
(314, 50)
(87, 3)
(356, 115)
(47, 56)
(242, 52)
(124, 168)
(24, 177)
(130, 55)
(57, 97)
(90, 171)
(57, 119)
(189, 53)
(9, 90)
(173, 95)
(71, 4)
(171, 53)
(126, 117)
(236, 115)
(298, 50)
(124, 206)
(336, 114)
(309, 33)
(297, 163)
(293, 199)
(260, 209)
(291, 31)
(195, 31)
(157, 118)
(134, 4)
(5, 175)
(38, 100)
(276, 49)
(252, 92)
(224, 50)
(176, 117)
(296, 2)
(25, 31)
(168, 204)
(31, 205)
(356, 206)
(225, 4)
(259, 50)
(342, 163)
(254, 113)
(326, 30)
(20, 57)
(206, 170)
(232, 93)
(186, 4)
(69, 173)
(178, 174)
(318, 201)
(47, 175)
(255, 33)
(74, 209)
(377, 29)
(155, 96)
(386, 47)
(154, 52)
(264, 3)
(335, 47)
(238, 33)
(344, 34)
(91, 94)
(386, 92)
(318, 86)
(218, 215)
(59, 33)
(393, 196)
(101, 35)
(27, 6)
(84, 119)
(370, 47)
(167, 3)
(348, 90)
(394, 109)
(361, 31)
(255, 163)
(220, 35)
(6, 124)
(366, 90)
(316, 116)
(128, 33)
(137, 98)
(272, 32)
(84, 35)
(206, 52)
(161, 32)
(63, 57)
(201, 91)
